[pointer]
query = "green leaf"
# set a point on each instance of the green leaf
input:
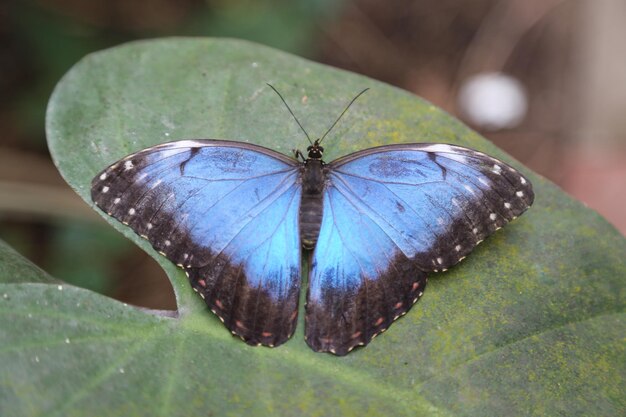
(532, 323)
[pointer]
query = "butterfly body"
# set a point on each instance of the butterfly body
(311, 205)
(236, 217)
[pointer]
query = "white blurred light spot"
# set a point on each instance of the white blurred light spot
(493, 100)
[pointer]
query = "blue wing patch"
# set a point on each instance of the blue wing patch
(391, 215)
(227, 212)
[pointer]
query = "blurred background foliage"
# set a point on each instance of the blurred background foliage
(554, 72)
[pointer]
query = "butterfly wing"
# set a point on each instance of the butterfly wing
(392, 214)
(227, 212)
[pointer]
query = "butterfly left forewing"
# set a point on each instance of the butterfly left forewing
(227, 213)
(399, 212)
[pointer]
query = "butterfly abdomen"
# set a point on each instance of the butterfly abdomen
(311, 204)
(310, 219)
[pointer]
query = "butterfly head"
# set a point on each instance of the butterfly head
(316, 150)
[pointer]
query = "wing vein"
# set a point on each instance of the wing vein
(178, 222)
(243, 225)
(355, 195)
(362, 177)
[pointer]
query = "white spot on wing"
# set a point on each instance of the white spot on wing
(128, 165)
(507, 205)
(522, 180)
(131, 211)
(105, 189)
(492, 216)
(182, 144)
(149, 226)
(457, 248)
(167, 243)
(519, 194)
(438, 147)
(439, 261)
(103, 176)
(116, 201)
(457, 157)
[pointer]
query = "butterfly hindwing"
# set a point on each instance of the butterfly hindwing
(227, 212)
(359, 281)
(391, 215)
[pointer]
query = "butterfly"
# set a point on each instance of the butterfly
(237, 218)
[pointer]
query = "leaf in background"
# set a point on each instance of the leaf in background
(530, 324)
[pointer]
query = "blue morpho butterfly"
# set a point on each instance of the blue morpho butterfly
(236, 216)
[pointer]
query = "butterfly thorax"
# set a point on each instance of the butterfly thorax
(311, 205)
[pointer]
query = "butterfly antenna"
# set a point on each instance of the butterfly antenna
(342, 113)
(294, 116)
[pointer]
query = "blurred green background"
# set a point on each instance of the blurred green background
(566, 57)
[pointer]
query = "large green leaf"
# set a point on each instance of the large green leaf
(530, 324)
